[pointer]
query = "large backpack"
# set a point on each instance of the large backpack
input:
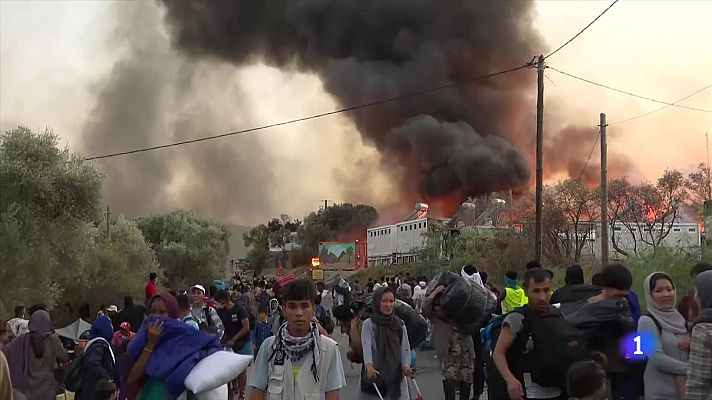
(490, 332)
(324, 318)
(557, 345)
(73, 378)
(496, 386)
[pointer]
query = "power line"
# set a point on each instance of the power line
(628, 93)
(583, 170)
(581, 31)
(310, 117)
(663, 107)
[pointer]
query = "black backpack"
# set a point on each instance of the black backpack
(557, 345)
(73, 378)
(208, 325)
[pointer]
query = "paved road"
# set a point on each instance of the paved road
(428, 374)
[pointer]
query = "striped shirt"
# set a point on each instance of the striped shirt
(699, 368)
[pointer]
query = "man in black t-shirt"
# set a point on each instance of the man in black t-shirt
(237, 332)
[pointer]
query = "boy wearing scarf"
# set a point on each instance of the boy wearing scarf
(298, 363)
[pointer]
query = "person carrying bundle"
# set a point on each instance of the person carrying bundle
(455, 350)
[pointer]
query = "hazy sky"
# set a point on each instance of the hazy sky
(53, 54)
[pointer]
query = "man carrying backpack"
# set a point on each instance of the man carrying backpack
(536, 345)
(606, 319)
(206, 316)
(454, 349)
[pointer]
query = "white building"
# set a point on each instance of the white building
(399, 243)
(685, 237)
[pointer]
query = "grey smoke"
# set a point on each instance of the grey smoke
(456, 141)
(155, 96)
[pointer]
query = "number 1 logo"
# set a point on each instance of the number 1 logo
(638, 351)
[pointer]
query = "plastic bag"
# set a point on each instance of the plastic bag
(342, 287)
(467, 303)
(443, 278)
(416, 325)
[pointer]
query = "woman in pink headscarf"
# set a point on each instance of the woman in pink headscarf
(33, 357)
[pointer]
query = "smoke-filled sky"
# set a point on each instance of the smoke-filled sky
(114, 76)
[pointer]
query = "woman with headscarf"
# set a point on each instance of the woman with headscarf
(386, 350)
(98, 361)
(699, 368)
(33, 357)
(664, 377)
(162, 305)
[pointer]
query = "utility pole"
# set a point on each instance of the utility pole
(108, 223)
(707, 146)
(539, 228)
(326, 204)
(604, 192)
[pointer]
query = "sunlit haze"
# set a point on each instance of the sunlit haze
(54, 54)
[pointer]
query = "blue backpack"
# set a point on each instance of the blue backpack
(490, 332)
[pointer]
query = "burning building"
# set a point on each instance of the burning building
(402, 242)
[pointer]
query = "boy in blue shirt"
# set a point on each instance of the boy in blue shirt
(263, 329)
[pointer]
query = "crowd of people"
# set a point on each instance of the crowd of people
(535, 342)
(541, 343)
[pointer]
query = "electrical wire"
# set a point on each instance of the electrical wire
(581, 31)
(628, 93)
(583, 170)
(663, 107)
(314, 116)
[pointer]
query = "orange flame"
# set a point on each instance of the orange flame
(650, 213)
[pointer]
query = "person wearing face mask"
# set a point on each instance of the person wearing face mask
(666, 369)
(165, 350)
(386, 350)
(699, 368)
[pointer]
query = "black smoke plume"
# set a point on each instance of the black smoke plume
(463, 140)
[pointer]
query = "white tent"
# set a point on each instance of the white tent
(73, 330)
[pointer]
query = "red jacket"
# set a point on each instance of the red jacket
(150, 290)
